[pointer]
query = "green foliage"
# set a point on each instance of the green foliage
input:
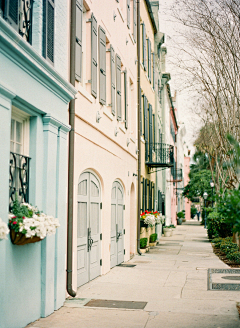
(143, 242)
(198, 184)
(171, 226)
(217, 242)
(180, 215)
(228, 247)
(153, 238)
(193, 211)
(217, 225)
(234, 256)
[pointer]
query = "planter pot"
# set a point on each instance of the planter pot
(143, 225)
(167, 232)
(179, 221)
(143, 250)
(17, 238)
(153, 244)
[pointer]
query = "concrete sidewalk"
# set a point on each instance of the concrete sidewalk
(171, 278)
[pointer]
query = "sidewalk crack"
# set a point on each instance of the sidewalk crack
(184, 285)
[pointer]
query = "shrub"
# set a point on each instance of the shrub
(217, 226)
(234, 256)
(193, 211)
(228, 247)
(180, 215)
(153, 238)
(171, 226)
(143, 242)
(217, 242)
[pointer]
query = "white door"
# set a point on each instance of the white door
(117, 227)
(88, 217)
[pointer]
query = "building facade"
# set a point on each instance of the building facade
(34, 97)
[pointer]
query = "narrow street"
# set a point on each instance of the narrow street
(172, 278)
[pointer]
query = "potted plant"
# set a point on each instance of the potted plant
(167, 230)
(147, 219)
(3, 230)
(152, 240)
(180, 217)
(143, 244)
(28, 225)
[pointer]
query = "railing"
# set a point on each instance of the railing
(177, 175)
(18, 178)
(18, 14)
(159, 155)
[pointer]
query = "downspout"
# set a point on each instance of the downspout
(139, 134)
(71, 153)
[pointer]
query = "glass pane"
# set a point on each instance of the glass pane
(94, 190)
(82, 220)
(94, 218)
(82, 188)
(12, 129)
(18, 132)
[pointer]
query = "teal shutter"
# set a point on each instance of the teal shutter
(102, 66)
(149, 61)
(143, 194)
(146, 127)
(113, 81)
(94, 56)
(150, 133)
(126, 99)
(78, 56)
(144, 45)
(134, 20)
(146, 195)
(12, 13)
(118, 87)
(128, 13)
(153, 76)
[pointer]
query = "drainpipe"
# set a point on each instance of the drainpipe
(71, 153)
(139, 134)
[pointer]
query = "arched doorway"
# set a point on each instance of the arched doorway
(88, 228)
(117, 225)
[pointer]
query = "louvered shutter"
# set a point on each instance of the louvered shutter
(134, 20)
(126, 99)
(146, 195)
(143, 195)
(146, 128)
(149, 61)
(12, 13)
(140, 114)
(113, 81)
(102, 66)
(144, 45)
(150, 133)
(94, 56)
(150, 195)
(48, 30)
(154, 139)
(78, 56)
(118, 87)
(153, 195)
(128, 13)
(153, 77)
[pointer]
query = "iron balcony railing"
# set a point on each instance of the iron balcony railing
(18, 178)
(159, 155)
(177, 175)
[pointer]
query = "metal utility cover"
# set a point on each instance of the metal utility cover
(219, 285)
(117, 304)
(127, 265)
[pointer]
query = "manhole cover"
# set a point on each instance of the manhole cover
(231, 277)
(117, 304)
(127, 265)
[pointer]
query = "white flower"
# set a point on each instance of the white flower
(3, 230)
(150, 220)
(160, 218)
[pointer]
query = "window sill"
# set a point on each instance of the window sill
(84, 92)
(106, 112)
(122, 129)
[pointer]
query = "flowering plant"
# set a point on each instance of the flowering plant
(152, 218)
(160, 218)
(3, 230)
(31, 222)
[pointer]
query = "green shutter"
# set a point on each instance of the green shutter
(150, 195)
(149, 61)
(140, 114)
(150, 133)
(118, 87)
(146, 195)
(128, 13)
(94, 56)
(153, 77)
(134, 21)
(154, 139)
(144, 45)
(146, 127)
(102, 66)
(12, 13)
(113, 81)
(78, 56)
(143, 194)
(126, 98)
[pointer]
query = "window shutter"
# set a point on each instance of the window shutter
(145, 197)
(150, 195)
(12, 13)
(94, 56)
(146, 127)
(154, 140)
(134, 20)
(144, 43)
(102, 66)
(153, 195)
(48, 30)
(128, 13)
(143, 194)
(150, 133)
(113, 80)
(78, 56)
(118, 85)
(153, 76)
(140, 109)
(126, 98)
(149, 61)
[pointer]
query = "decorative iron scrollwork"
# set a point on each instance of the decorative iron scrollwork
(25, 19)
(18, 178)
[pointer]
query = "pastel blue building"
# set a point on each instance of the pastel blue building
(34, 98)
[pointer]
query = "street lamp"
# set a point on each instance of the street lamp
(205, 195)
(212, 185)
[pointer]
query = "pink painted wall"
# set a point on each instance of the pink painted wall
(186, 180)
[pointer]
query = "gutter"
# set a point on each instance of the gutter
(151, 15)
(139, 132)
(70, 290)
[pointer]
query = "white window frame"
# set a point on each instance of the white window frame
(24, 118)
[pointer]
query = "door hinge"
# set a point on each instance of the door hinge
(101, 262)
(123, 207)
(124, 252)
(100, 236)
(124, 231)
(100, 206)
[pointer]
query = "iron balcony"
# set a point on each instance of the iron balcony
(159, 155)
(177, 175)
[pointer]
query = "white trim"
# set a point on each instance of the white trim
(23, 118)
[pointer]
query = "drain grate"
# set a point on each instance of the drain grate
(127, 265)
(117, 304)
(223, 286)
